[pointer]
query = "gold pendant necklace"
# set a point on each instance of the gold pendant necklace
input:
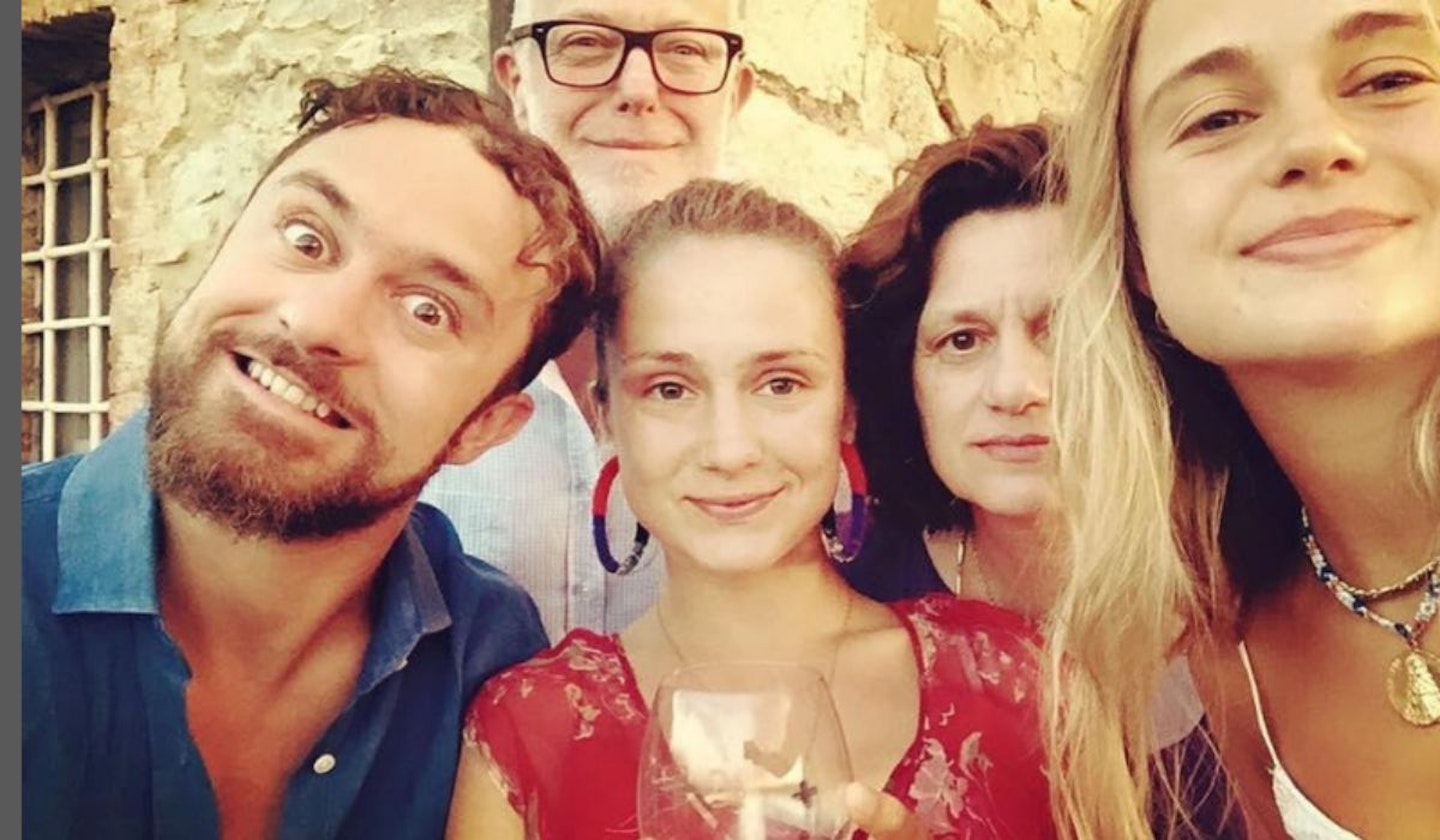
(1413, 682)
(1415, 686)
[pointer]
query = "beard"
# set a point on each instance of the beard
(616, 193)
(239, 472)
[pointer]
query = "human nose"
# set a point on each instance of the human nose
(636, 83)
(731, 442)
(1316, 143)
(326, 316)
(1019, 377)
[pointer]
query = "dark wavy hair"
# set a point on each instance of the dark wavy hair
(568, 244)
(886, 269)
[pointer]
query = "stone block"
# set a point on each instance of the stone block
(914, 22)
(817, 46)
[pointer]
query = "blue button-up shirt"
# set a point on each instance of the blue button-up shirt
(107, 751)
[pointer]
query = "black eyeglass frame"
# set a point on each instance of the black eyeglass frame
(540, 29)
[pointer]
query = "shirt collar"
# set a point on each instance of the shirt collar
(411, 606)
(107, 529)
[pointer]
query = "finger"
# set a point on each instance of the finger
(881, 815)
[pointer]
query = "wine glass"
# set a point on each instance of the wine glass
(743, 751)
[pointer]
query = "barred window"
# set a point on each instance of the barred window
(65, 275)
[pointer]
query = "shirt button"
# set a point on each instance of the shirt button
(324, 764)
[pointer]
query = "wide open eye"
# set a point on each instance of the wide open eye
(304, 239)
(426, 311)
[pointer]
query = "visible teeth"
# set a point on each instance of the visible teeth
(288, 391)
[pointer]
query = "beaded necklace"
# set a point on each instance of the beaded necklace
(1414, 676)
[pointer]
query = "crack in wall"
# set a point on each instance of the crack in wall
(933, 68)
(842, 117)
(995, 16)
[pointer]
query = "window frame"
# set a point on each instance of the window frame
(96, 247)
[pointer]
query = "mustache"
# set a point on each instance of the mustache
(317, 374)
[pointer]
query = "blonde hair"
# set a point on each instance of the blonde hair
(1174, 505)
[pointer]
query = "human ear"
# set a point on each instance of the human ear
(507, 73)
(487, 429)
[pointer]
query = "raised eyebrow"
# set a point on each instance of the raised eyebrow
(313, 181)
(1225, 60)
(1364, 24)
(456, 276)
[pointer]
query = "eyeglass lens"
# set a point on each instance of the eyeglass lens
(685, 59)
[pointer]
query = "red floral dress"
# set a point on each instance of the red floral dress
(564, 729)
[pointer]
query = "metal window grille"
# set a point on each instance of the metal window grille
(65, 275)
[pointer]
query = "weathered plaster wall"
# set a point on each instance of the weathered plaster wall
(849, 89)
(44, 11)
(204, 91)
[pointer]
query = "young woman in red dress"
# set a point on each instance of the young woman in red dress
(722, 389)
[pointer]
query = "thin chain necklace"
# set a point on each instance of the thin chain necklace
(834, 650)
(1414, 678)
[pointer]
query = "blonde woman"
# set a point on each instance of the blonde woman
(1247, 400)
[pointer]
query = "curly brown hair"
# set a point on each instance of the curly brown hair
(886, 271)
(567, 246)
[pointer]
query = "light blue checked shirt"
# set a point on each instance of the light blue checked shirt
(525, 508)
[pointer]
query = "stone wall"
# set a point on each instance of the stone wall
(44, 11)
(204, 91)
(849, 89)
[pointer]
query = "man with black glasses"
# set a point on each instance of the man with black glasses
(637, 98)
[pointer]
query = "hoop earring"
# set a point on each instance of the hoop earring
(599, 508)
(846, 550)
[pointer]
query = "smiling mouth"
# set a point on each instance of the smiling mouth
(1324, 239)
(733, 508)
(632, 145)
(297, 395)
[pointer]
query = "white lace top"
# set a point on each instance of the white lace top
(1303, 819)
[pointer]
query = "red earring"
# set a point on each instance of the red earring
(599, 508)
(844, 551)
